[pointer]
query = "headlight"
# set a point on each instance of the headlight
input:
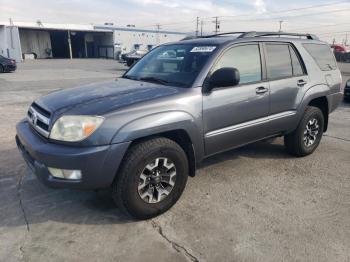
(75, 128)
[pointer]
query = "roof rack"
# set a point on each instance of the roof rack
(259, 34)
(222, 34)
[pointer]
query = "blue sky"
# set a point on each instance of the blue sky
(330, 20)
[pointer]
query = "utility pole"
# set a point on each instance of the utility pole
(70, 45)
(281, 22)
(158, 37)
(346, 39)
(217, 25)
(197, 26)
(202, 28)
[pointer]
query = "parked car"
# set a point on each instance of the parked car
(133, 56)
(7, 64)
(341, 52)
(144, 134)
(347, 91)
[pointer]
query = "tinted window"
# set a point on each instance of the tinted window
(297, 68)
(279, 64)
(177, 64)
(322, 55)
(244, 58)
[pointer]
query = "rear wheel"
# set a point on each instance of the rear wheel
(152, 178)
(306, 138)
(2, 69)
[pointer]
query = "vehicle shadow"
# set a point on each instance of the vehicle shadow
(27, 197)
(269, 149)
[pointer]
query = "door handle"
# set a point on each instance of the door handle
(301, 82)
(261, 90)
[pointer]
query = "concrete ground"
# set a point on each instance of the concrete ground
(256, 203)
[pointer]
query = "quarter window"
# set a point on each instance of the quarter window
(246, 59)
(323, 56)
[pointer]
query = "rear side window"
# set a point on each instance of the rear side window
(322, 55)
(279, 64)
(246, 59)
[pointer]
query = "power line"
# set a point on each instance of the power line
(286, 17)
(250, 14)
(285, 10)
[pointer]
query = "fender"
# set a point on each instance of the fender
(313, 92)
(158, 123)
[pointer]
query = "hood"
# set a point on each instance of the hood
(101, 98)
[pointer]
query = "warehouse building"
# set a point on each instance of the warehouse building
(39, 40)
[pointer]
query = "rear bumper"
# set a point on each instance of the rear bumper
(334, 100)
(98, 164)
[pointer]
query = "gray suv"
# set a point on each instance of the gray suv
(144, 133)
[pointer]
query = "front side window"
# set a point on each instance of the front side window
(177, 64)
(246, 59)
(279, 64)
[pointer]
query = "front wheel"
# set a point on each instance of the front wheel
(305, 139)
(152, 178)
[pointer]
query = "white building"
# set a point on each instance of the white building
(46, 40)
(141, 39)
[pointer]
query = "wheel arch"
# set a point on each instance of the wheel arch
(322, 104)
(315, 96)
(180, 137)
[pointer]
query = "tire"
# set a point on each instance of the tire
(126, 190)
(304, 140)
(2, 70)
(129, 62)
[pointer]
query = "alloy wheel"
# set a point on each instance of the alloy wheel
(157, 180)
(311, 131)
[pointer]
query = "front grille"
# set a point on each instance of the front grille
(39, 119)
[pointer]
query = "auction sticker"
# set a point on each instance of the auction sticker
(197, 49)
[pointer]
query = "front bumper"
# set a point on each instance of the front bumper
(98, 164)
(10, 68)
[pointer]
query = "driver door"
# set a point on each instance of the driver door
(237, 115)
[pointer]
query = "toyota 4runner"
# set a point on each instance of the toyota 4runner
(143, 134)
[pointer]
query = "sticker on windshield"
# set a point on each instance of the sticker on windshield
(203, 49)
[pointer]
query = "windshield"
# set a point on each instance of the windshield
(177, 64)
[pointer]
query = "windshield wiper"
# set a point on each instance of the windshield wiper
(154, 79)
(130, 77)
(161, 81)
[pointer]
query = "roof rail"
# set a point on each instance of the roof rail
(222, 34)
(258, 34)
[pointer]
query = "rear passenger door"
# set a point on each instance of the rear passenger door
(286, 75)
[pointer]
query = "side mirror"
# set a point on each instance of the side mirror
(224, 77)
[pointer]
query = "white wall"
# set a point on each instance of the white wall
(128, 39)
(13, 43)
(3, 42)
(35, 41)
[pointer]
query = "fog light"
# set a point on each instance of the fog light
(65, 173)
